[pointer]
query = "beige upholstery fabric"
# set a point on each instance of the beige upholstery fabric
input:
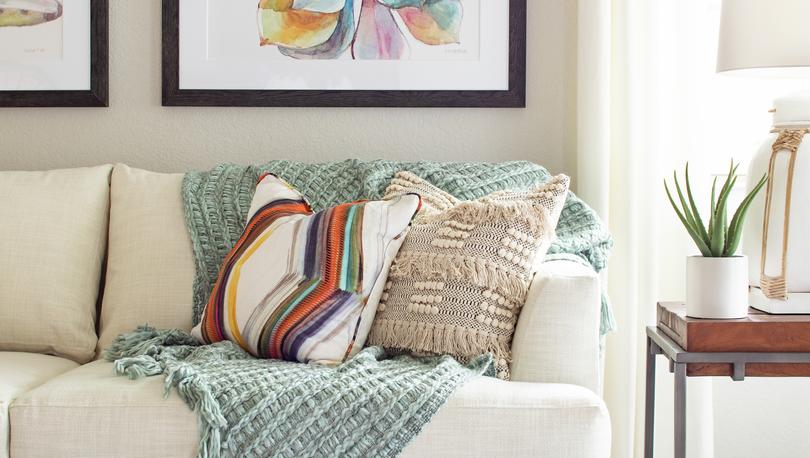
(20, 372)
(54, 233)
(495, 418)
(557, 336)
(150, 266)
(90, 412)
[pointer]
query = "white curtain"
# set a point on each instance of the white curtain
(627, 108)
(613, 166)
(648, 100)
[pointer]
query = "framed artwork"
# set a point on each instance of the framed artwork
(344, 53)
(53, 53)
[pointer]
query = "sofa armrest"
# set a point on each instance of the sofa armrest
(557, 335)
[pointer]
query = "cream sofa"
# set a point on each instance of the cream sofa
(56, 406)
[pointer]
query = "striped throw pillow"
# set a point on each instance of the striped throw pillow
(304, 286)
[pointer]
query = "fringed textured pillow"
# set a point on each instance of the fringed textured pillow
(461, 276)
(304, 286)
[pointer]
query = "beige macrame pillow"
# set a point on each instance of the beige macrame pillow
(434, 200)
(458, 282)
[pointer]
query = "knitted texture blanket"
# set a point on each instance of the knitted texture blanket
(217, 202)
(370, 406)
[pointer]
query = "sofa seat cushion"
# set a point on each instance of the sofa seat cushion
(20, 372)
(490, 417)
(91, 412)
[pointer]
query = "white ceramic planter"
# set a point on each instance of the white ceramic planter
(717, 287)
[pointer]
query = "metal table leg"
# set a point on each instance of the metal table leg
(680, 410)
(649, 406)
(658, 343)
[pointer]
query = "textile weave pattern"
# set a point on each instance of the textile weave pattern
(460, 279)
(217, 203)
(371, 405)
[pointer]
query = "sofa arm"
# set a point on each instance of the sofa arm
(557, 335)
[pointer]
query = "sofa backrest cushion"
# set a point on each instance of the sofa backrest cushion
(53, 233)
(150, 265)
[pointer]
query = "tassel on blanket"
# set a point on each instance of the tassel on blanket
(146, 340)
(137, 367)
(198, 396)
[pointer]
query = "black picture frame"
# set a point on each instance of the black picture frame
(514, 97)
(98, 94)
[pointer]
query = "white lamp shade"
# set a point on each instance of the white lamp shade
(765, 34)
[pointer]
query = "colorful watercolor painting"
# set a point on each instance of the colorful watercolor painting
(366, 29)
(26, 13)
(345, 52)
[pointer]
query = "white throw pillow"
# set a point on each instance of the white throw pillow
(150, 265)
(53, 233)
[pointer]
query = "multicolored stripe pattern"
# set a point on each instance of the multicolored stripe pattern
(304, 286)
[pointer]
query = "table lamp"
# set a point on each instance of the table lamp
(772, 38)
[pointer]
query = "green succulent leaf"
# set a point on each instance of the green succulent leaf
(698, 221)
(684, 206)
(728, 185)
(718, 242)
(719, 235)
(713, 206)
(704, 249)
(735, 227)
(721, 238)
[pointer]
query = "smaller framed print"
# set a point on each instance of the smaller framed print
(54, 53)
(344, 53)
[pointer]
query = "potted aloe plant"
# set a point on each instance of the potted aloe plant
(716, 281)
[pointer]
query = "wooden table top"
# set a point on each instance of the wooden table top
(758, 332)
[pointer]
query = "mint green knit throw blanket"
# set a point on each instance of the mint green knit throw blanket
(217, 202)
(370, 406)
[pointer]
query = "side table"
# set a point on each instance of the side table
(658, 343)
